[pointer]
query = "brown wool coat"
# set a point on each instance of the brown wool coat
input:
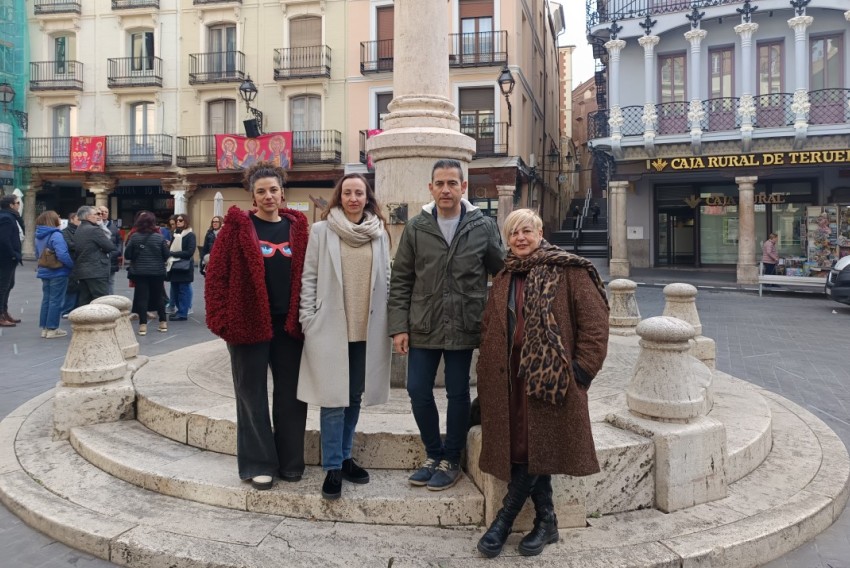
(559, 436)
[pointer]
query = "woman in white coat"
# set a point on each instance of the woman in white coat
(346, 358)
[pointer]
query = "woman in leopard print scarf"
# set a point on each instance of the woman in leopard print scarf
(543, 339)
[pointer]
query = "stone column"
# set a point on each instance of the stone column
(625, 315)
(650, 116)
(801, 105)
(28, 246)
(101, 190)
(747, 266)
(95, 386)
(615, 116)
(506, 203)
(422, 126)
(619, 264)
(746, 104)
(696, 112)
(847, 15)
(179, 201)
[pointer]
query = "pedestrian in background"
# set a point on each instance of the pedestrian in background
(769, 255)
(209, 240)
(576, 216)
(54, 280)
(595, 210)
(344, 317)
(182, 248)
(253, 293)
(93, 263)
(115, 256)
(543, 340)
(72, 292)
(11, 237)
(147, 252)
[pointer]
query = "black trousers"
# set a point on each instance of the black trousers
(92, 289)
(7, 282)
(148, 296)
(263, 446)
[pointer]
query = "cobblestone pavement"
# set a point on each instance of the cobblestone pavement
(795, 344)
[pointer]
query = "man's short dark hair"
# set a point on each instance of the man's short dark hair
(7, 201)
(446, 164)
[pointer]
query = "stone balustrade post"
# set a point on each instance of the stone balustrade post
(624, 316)
(95, 386)
(666, 403)
(123, 328)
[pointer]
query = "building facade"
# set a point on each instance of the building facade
(724, 122)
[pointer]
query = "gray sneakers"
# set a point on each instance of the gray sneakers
(423, 475)
(446, 475)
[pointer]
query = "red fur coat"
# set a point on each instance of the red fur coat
(236, 297)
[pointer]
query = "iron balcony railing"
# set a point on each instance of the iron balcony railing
(301, 62)
(57, 7)
(774, 110)
(491, 138)
(56, 75)
(478, 49)
(829, 106)
(196, 151)
(134, 72)
(147, 149)
(597, 124)
(376, 56)
(721, 114)
(44, 152)
(673, 118)
(196, 2)
(126, 4)
(604, 11)
(316, 147)
(216, 67)
(632, 121)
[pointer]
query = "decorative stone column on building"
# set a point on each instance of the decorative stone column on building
(746, 103)
(800, 104)
(181, 190)
(422, 126)
(615, 116)
(666, 403)
(95, 386)
(28, 246)
(747, 265)
(696, 111)
(506, 203)
(650, 116)
(101, 189)
(624, 315)
(619, 263)
(123, 328)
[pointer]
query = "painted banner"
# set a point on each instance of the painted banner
(369, 134)
(234, 152)
(88, 153)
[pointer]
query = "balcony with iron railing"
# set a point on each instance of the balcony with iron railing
(57, 7)
(196, 151)
(56, 75)
(376, 56)
(606, 11)
(316, 147)
(134, 72)
(216, 67)
(478, 49)
(302, 62)
(44, 152)
(128, 4)
(202, 2)
(133, 149)
(491, 139)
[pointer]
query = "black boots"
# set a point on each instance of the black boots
(545, 529)
(519, 488)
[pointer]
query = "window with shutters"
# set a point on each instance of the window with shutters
(221, 116)
(382, 103)
(305, 119)
(476, 27)
(385, 30)
(305, 45)
(478, 116)
(142, 51)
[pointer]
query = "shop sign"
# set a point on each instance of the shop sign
(809, 157)
(727, 200)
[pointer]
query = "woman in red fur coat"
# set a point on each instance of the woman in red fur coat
(253, 291)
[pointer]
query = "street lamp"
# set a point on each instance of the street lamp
(554, 156)
(7, 96)
(506, 84)
(248, 92)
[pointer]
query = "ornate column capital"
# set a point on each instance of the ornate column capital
(746, 182)
(800, 23)
(746, 30)
(99, 186)
(614, 46)
(506, 190)
(695, 36)
(617, 187)
(649, 42)
(847, 15)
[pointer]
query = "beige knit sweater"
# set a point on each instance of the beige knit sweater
(356, 287)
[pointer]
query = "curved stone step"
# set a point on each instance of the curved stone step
(131, 452)
(799, 490)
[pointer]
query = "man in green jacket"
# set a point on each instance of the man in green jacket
(437, 294)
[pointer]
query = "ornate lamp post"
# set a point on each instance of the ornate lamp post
(506, 84)
(7, 96)
(248, 92)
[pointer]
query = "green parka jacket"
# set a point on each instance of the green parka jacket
(438, 289)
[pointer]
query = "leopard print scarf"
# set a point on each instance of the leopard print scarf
(544, 360)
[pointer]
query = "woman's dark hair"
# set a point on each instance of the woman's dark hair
(145, 222)
(49, 218)
(372, 205)
(262, 170)
(220, 220)
(186, 221)
(7, 201)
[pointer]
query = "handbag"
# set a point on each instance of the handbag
(181, 265)
(47, 258)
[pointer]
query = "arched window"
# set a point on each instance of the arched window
(221, 116)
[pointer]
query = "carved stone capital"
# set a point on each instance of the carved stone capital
(696, 113)
(800, 23)
(615, 118)
(746, 30)
(747, 108)
(800, 105)
(649, 42)
(695, 36)
(847, 15)
(614, 46)
(649, 116)
(746, 183)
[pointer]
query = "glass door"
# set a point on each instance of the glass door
(222, 46)
(676, 236)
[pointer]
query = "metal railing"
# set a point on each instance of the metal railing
(597, 124)
(44, 152)
(491, 139)
(134, 72)
(829, 106)
(774, 110)
(126, 4)
(376, 56)
(57, 7)
(298, 62)
(721, 114)
(316, 147)
(56, 75)
(673, 118)
(632, 121)
(149, 149)
(478, 49)
(196, 151)
(196, 2)
(216, 67)
(604, 11)
(364, 135)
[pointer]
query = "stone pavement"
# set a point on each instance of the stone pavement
(792, 344)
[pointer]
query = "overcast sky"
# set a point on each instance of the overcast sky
(574, 14)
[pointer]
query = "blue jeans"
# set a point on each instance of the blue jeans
(52, 300)
(70, 302)
(338, 424)
(421, 372)
(183, 300)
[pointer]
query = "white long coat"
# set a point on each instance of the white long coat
(323, 378)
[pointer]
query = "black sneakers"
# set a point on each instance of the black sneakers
(332, 487)
(352, 472)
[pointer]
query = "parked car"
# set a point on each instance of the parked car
(838, 281)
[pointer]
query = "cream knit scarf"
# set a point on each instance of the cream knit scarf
(353, 234)
(176, 246)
